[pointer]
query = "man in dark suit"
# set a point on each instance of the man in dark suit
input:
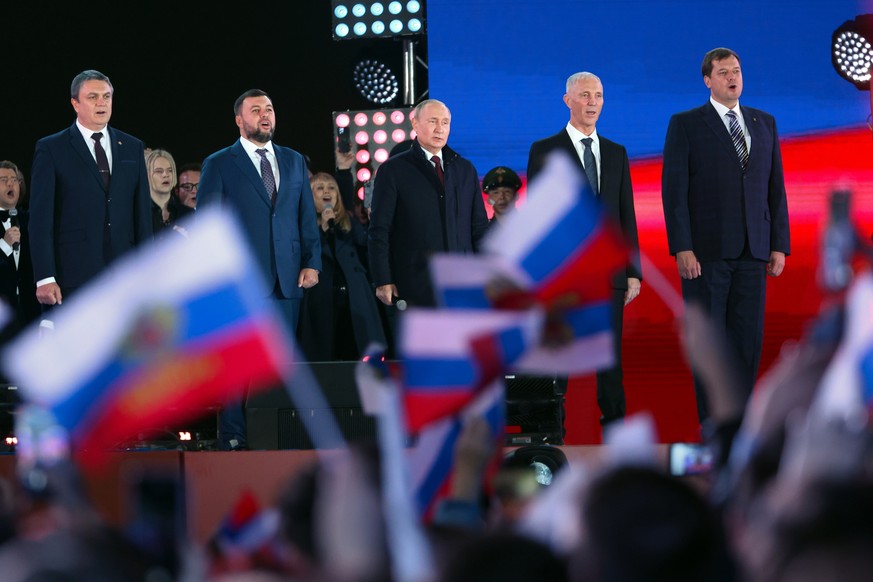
(726, 211)
(605, 163)
(266, 187)
(17, 288)
(426, 200)
(90, 199)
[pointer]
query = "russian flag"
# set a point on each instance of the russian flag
(561, 244)
(431, 459)
(176, 327)
(846, 388)
(449, 355)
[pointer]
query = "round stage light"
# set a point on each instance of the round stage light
(380, 136)
(381, 155)
(376, 82)
(395, 26)
(342, 30)
(361, 119)
(364, 174)
(379, 118)
(363, 156)
(343, 120)
(362, 137)
(853, 56)
(360, 29)
(413, 6)
(341, 11)
(358, 10)
(397, 117)
(377, 9)
(378, 27)
(414, 24)
(398, 135)
(395, 7)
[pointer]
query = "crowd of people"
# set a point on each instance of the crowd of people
(787, 497)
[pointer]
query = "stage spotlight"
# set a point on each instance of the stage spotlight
(375, 82)
(545, 461)
(376, 19)
(851, 52)
(374, 133)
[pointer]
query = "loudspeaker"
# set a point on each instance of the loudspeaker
(274, 422)
(535, 410)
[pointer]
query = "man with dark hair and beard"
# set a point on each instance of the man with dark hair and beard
(266, 187)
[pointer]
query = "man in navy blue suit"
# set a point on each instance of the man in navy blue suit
(90, 199)
(266, 187)
(726, 211)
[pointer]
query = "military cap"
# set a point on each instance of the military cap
(501, 176)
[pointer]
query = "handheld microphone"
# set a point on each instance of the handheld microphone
(838, 245)
(13, 221)
(330, 221)
(399, 303)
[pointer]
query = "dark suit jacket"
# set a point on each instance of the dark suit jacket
(616, 190)
(710, 205)
(17, 286)
(406, 226)
(284, 240)
(76, 226)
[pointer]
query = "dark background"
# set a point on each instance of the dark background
(177, 69)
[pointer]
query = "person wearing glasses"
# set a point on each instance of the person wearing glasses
(17, 288)
(167, 211)
(189, 182)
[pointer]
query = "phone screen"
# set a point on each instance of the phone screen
(690, 459)
(343, 142)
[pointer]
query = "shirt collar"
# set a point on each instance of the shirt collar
(250, 147)
(577, 135)
(722, 110)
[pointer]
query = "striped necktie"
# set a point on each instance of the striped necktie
(739, 139)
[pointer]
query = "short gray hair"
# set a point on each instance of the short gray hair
(575, 77)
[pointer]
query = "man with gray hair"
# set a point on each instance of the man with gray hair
(605, 164)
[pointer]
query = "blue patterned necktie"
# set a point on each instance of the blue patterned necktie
(590, 165)
(267, 176)
(739, 139)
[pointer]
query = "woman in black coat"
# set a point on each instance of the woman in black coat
(339, 317)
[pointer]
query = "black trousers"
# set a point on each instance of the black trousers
(733, 293)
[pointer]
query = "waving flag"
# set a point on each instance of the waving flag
(846, 389)
(448, 356)
(561, 244)
(182, 324)
(431, 460)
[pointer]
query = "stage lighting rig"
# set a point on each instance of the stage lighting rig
(375, 81)
(377, 19)
(851, 51)
(373, 133)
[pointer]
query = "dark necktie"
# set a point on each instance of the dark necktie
(439, 170)
(590, 165)
(267, 176)
(739, 139)
(102, 160)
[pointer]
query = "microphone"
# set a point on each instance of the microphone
(13, 221)
(839, 244)
(399, 303)
(330, 221)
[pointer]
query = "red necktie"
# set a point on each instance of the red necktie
(439, 170)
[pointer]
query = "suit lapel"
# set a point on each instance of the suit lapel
(755, 129)
(79, 146)
(568, 146)
(245, 165)
(715, 123)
